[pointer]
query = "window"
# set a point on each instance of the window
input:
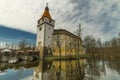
(43, 19)
(40, 28)
(38, 21)
(50, 21)
(53, 50)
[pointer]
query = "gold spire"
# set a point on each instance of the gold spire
(46, 12)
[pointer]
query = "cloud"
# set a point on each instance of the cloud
(100, 18)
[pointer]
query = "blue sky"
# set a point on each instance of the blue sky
(100, 18)
(9, 35)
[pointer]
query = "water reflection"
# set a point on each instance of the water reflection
(113, 63)
(94, 69)
(107, 68)
(85, 69)
(60, 70)
(17, 71)
(102, 69)
(16, 66)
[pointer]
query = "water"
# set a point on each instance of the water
(83, 69)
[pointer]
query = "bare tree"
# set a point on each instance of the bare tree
(23, 44)
(58, 44)
(99, 43)
(79, 30)
(89, 44)
(114, 42)
(119, 35)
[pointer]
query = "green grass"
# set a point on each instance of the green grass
(67, 57)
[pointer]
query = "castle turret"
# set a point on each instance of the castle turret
(45, 28)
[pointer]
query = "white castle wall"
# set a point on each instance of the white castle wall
(44, 32)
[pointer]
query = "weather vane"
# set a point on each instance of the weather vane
(46, 4)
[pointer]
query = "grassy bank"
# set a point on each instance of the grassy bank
(67, 57)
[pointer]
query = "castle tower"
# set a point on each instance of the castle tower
(45, 28)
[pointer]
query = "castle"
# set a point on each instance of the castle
(56, 42)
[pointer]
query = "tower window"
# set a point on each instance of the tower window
(40, 28)
(43, 19)
(50, 21)
(38, 21)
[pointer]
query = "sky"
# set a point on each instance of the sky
(21, 74)
(99, 18)
(14, 36)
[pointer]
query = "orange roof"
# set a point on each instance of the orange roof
(46, 13)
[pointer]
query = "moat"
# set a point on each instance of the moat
(80, 69)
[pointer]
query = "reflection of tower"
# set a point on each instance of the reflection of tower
(38, 72)
(41, 72)
(44, 32)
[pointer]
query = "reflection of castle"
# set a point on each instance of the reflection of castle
(60, 70)
(52, 41)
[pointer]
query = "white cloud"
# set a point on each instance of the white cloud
(95, 15)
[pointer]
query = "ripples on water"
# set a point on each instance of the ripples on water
(83, 69)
